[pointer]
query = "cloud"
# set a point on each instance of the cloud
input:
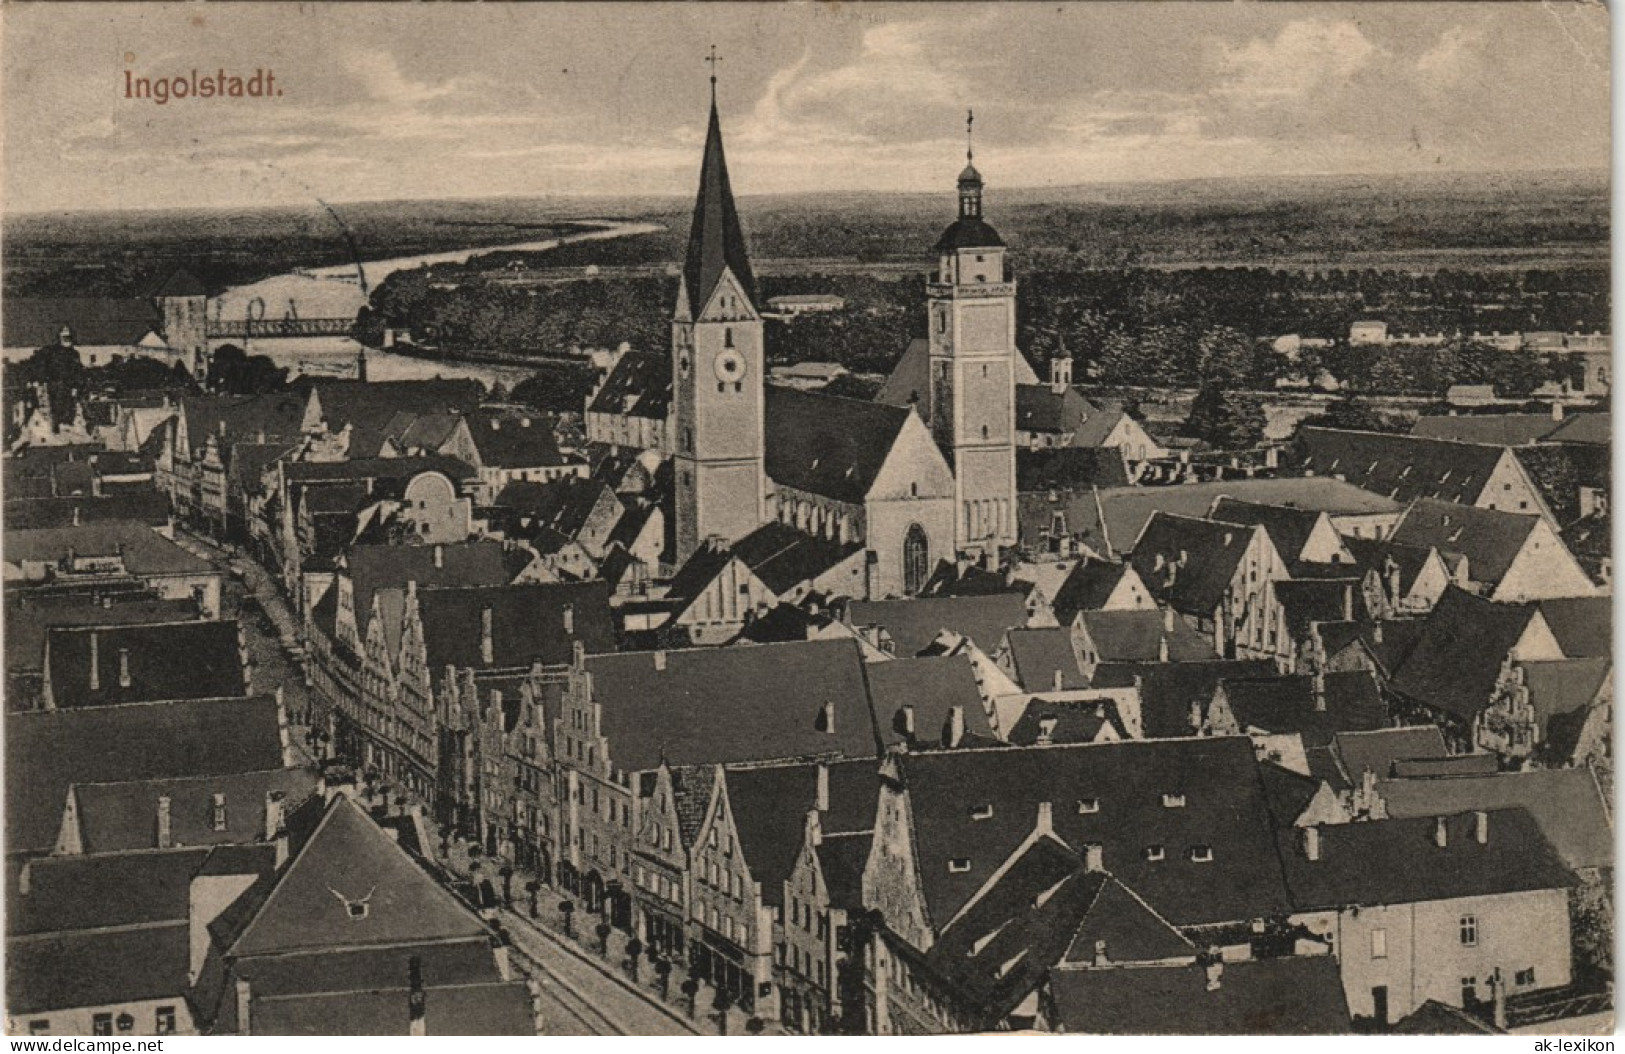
(1453, 58)
(1302, 57)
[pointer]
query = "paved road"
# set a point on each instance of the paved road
(577, 998)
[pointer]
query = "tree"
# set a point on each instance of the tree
(1351, 413)
(235, 372)
(755, 1026)
(1227, 420)
(722, 1003)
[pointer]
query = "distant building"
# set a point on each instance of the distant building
(1368, 332)
(792, 305)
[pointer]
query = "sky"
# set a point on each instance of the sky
(455, 101)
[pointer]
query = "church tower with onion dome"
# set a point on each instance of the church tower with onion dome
(717, 425)
(973, 362)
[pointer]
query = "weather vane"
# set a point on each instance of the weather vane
(712, 60)
(970, 119)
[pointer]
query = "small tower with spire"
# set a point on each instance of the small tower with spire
(972, 409)
(717, 431)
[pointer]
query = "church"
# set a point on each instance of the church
(909, 485)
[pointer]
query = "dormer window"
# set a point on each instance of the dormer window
(1201, 854)
(220, 812)
(1173, 801)
(959, 865)
(1154, 853)
(981, 812)
(1088, 805)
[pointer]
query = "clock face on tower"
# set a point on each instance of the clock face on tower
(729, 365)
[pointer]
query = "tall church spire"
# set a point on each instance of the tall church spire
(716, 242)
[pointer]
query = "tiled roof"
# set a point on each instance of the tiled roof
(233, 419)
(842, 859)
(49, 750)
(1040, 408)
(1402, 467)
(1137, 636)
(375, 469)
(1490, 540)
(1282, 705)
(1597, 429)
(1491, 429)
(147, 508)
(909, 383)
(36, 322)
(96, 968)
(1206, 554)
(508, 439)
(1043, 659)
(1116, 515)
(1223, 809)
(1308, 601)
(1567, 805)
(1087, 587)
(783, 557)
(1289, 528)
(1398, 861)
(707, 706)
(349, 859)
(373, 567)
(1455, 662)
(213, 666)
(115, 817)
(563, 505)
(915, 624)
(101, 892)
(527, 623)
(491, 1008)
(829, 446)
(1377, 751)
(1288, 996)
(29, 618)
(1583, 626)
(1069, 717)
(933, 686)
(770, 805)
(368, 406)
(145, 552)
(1068, 467)
(639, 386)
(1169, 690)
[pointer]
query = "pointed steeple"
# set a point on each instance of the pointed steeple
(716, 241)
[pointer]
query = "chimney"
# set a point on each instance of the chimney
(1311, 843)
(1167, 620)
(908, 719)
(1196, 717)
(64, 337)
(164, 839)
(439, 556)
(415, 997)
(1162, 648)
(1348, 602)
(244, 1000)
(569, 620)
(1059, 680)
(1319, 685)
(823, 787)
(1481, 827)
(1441, 833)
(660, 662)
(1215, 974)
(95, 662)
(827, 715)
(487, 647)
(955, 730)
(1376, 633)
(1094, 857)
(1498, 996)
(1045, 823)
(124, 667)
(275, 817)
(1100, 953)
(1557, 410)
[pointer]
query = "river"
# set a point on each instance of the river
(335, 292)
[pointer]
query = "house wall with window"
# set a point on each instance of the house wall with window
(732, 930)
(1447, 949)
(169, 1016)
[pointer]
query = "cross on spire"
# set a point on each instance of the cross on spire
(970, 118)
(711, 60)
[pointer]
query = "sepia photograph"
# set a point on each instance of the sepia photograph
(807, 519)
